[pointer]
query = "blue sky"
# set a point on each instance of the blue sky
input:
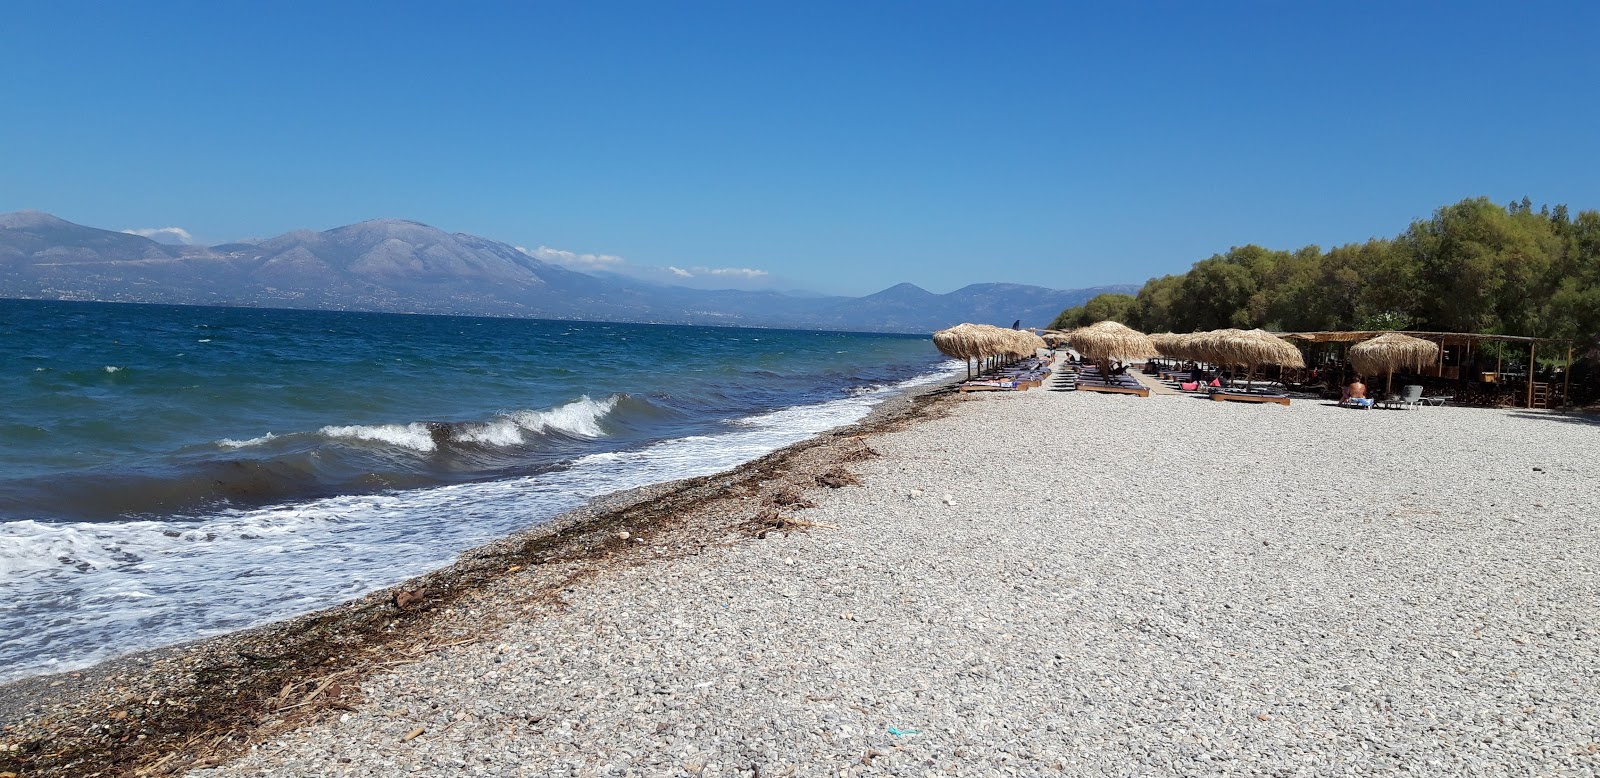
(841, 147)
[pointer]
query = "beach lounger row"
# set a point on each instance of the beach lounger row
(1236, 395)
(1090, 380)
(1180, 380)
(1022, 376)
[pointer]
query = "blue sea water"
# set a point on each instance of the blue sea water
(170, 472)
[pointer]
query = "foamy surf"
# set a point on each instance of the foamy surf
(415, 436)
(230, 443)
(114, 587)
(580, 417)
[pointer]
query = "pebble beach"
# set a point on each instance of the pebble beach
(1050, 582)
(1066, 583)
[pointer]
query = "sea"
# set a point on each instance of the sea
(172, 472)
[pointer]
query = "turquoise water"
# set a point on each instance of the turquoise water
(167, 472)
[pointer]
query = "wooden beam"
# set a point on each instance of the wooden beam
(1566, 378)
(1531, 348)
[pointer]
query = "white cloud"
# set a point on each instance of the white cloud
(746, 273)
(737, 272)
(575, 260)
(165, 234)
(698, 277)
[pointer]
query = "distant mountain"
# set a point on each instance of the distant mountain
(404, 266)
(46, 239)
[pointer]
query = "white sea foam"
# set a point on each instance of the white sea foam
(230, 443)
(579, 417)
(81, 592)
(415, 436)
(500, 432)
(113, 369)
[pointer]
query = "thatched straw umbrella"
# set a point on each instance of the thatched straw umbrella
(1389, 352)
(963, 341)
(1108, 340)
(1176, 346)
(1167, 343)
(1054, 338)
(1016, 344)
(985, 342)
(1248, 348)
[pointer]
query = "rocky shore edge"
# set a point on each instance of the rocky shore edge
(194, 705)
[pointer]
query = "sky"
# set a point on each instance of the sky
(840, 147)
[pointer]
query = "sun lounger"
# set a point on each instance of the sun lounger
(1222, 395)
(989, 386)
(1091, 381)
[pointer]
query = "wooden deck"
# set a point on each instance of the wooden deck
(1138, 391)
(964, 388)
(1248, 398)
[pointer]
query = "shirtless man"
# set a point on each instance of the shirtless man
(1356, 394)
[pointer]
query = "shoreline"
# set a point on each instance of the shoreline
(1046, 582)
(194, 704)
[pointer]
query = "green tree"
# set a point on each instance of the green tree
(1473, 267)
(1156, 302)
(1216, 293)
(1067, 319)
(1574, 310)
(1476, 264)
(1101, 307)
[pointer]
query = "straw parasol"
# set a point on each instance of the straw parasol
(1108, 340)
(985, 341)
(1176, 346)
(1245, 347)
(963, 341)
(1054, 338)
(1389, 352)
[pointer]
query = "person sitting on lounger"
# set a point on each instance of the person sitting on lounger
(1355, 395)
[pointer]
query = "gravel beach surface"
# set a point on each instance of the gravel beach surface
(1060, 582)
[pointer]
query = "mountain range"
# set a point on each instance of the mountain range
(403, 266)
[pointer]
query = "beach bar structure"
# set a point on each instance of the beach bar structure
(1456, 351)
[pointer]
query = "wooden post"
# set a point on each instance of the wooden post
(1566, 380)
(1531, 347)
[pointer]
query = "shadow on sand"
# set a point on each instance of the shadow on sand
(1569, 417)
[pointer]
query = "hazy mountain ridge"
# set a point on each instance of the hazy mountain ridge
(405, 266)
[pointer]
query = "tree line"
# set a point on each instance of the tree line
(1475, 266)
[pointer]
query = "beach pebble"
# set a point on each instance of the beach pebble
(1210, 592)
